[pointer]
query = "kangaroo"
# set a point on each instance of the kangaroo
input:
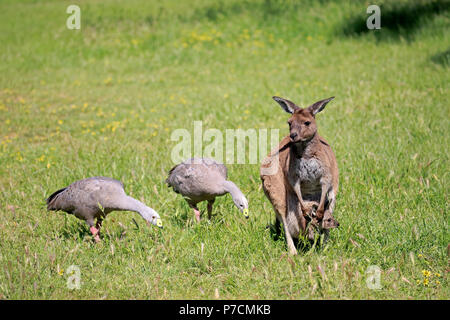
(304, 184)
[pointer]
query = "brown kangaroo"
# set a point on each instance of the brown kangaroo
(304, 184)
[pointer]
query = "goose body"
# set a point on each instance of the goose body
(203, 179)
(91, 199)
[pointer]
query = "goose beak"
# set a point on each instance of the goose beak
(159, 223)
(245, 212)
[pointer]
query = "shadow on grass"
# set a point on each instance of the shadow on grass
(442, 58)
(398, 20)
(80, 232)
(77, 231)
(302, 245)
(263, 8)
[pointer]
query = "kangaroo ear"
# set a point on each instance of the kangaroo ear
(287, 105)
(319, 106)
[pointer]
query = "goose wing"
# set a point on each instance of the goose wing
(86, 194)
(198, 178)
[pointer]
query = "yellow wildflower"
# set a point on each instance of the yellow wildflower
(426, 273)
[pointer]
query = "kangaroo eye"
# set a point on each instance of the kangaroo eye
(307, 123)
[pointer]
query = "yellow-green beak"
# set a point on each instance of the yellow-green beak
(159, 223)
(245, 212)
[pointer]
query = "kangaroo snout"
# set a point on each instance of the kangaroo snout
(293, 136)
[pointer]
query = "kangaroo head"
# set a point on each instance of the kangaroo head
(328, 221)
(302, 123)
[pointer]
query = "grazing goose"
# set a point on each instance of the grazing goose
(203, 179)
(95, 197)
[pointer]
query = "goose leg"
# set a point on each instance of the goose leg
(95, 232)
(196, 212)
(210, 207)
(98, 225)
(93, 229)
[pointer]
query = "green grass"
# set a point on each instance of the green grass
(104, 100)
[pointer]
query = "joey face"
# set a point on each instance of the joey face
(328, 221)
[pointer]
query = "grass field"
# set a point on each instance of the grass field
(104, 100)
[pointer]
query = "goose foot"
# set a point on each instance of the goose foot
(197, 214)
(95, 233)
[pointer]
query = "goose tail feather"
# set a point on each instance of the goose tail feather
(52, 198)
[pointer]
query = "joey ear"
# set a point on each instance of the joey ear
(315, 108)
(287, 105)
